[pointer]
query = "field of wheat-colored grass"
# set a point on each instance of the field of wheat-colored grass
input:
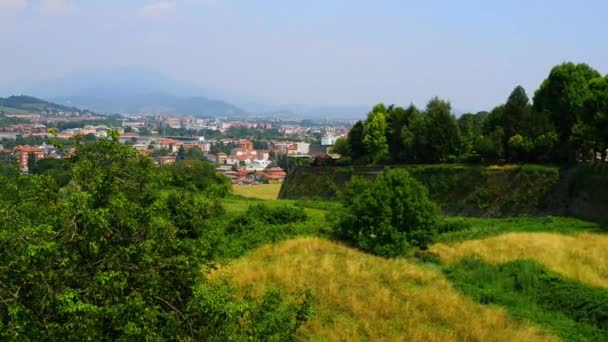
(582, 257)
(359, 297)
(267, 192)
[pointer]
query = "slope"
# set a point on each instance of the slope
(361, 297)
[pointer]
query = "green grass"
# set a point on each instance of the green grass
(485, 227)
(527, 290)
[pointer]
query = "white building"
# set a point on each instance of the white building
(303, 148)
(328, 141)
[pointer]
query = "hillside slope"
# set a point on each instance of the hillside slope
(29, 104)
(359, 297)
(580, 257)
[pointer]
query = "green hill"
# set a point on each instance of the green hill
(27, 104)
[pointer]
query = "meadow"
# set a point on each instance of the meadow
(491, 279)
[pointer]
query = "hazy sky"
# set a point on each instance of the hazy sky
(311, 51)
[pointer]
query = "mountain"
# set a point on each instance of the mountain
(131, 90)
(29, 104)
(126, 101)
(140, 90)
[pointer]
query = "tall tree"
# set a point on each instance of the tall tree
(594, 118)
(355, 141)
(374, 134)
(442, 130)
(516, 109)
(562, 95)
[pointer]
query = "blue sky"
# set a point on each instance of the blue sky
(316, 52)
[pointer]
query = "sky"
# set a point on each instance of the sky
(314, 52)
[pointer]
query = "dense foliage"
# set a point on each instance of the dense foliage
(389, 215)
(567, 121)
(117, 255)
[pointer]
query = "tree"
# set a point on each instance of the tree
(355, 141)
(111, 257)
(562, 95)
(341, 147)
(32, 161)
(442, 131)
(388, 216)
(515, 110)
(374, 134)
(181, 153)
(593, 127)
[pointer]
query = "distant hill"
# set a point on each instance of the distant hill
(29, 104)
(132, 90)
(127, 101)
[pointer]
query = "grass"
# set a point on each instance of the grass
(486, 227)
(267, 192)
(571, 310)
(358, 297)
(582, 257)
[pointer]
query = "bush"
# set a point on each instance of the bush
(278, 215)
(389, 215)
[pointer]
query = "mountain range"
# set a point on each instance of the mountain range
(137, 90)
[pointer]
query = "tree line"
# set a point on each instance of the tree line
(566, 121)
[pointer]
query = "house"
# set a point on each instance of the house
(165, 160)
(23, 153)
(169, 144)
(272, 175)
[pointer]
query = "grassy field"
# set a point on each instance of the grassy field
(479, 228)
(581, 257)
(359, 297)
(508, 279)
(260, 191)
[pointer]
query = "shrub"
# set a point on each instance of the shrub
(389, 215)
(278, 215)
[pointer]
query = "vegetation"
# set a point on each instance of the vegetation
(567, 121)
(117, 255)
(261, 191)
(28, 104)
(527, 290)
(581, 257)
(389, 215)
(358, 297)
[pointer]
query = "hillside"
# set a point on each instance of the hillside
(359, 297)
(477, 190)
(28, 104)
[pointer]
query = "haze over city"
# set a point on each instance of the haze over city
(348, 53)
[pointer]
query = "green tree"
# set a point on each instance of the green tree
(515, 110)
(594, 119)
(181, 153)
(110, 257)
(389, 215)
(443, 134)
(562, 95)
(374, 134)
(355, 141)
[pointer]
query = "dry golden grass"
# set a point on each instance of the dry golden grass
(359, 297)
(262, 191)
(582, 257)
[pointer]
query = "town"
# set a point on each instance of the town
(246, 151)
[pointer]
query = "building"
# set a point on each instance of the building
(272, 175)
(169, 144)
(328, 140)
(23, 154)
(302, 148)
(246, 145)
